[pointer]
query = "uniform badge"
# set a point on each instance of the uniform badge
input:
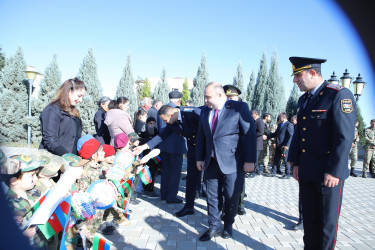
(346, 106)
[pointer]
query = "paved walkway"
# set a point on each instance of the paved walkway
(271, 207)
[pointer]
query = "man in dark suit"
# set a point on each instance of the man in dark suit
(183, 121)
(283, 135)
(172, 150)
(259, 129)
(226, 143)
(319, 150)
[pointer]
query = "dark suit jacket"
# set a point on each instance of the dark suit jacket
(259, 129)
(324, 133)
(152, 112)
(234, 139)
(283, 134)
(174, 143)
(187, 128)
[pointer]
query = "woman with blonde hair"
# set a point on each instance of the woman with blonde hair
(60, 121)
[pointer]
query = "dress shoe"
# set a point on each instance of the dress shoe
(271, 175)
(285, 177)
(353, 174)
(364, 175)
(226, 234)
(183, 212)
(241, 211)
(174, 201)
(209, 234)
(298, 226)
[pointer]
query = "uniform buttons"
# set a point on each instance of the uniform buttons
(303, 151)
(193, 136)
(318, 116)
(304, 129)
(189, 138)
(193, 144)
(328, 152)
(304, 117)
(303, 139)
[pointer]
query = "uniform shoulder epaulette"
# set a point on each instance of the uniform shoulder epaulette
(334, 86)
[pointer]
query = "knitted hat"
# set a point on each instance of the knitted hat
(108, 150)
(82, 140)
(121, 140)
(89, 148)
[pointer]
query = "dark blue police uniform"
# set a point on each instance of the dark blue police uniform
(321, 144)
(188, 128)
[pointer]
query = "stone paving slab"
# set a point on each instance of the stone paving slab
(271, 212)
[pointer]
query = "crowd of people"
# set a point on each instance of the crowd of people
(224, 143)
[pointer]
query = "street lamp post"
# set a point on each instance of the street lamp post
(359, 84)
(346, 79)
(333, 79)
(31, 75)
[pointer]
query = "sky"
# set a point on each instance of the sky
(175, 34)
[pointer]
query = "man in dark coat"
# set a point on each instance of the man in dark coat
(259, 129)
(153, 111)
(283, 135)
(183, 121)
(319, 150)
(226, 143)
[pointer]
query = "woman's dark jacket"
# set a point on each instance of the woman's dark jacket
(102, 132)
(60, 130)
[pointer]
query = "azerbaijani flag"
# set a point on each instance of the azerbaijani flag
(145, 175)
(38, 203)
(156, 159)
(101, 243)
(66, 226)
(57, 222)
(127, 185)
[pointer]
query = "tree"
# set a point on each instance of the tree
(292, 104)
(161, 91)
(260, 86)
(14, 100)
(146, 89)
(185, 92)
(238, 81)
(275, 95)
(250, 90)
(48, 87)
(126, 87)
(2, 59)
(200, 82)
(89, 75)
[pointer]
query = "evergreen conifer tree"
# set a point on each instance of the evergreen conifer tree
(238, 82)
(89, 75)
(161, 91)
(48, 87)
(126, 87)
(2, 59)
(250, 90)
(275, 96)
(261, 86)
(292, 104)
(14, 100)
(185, 92)
(200, 82)
(146, 89)
(361, 126)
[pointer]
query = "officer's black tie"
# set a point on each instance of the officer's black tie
(307, 100)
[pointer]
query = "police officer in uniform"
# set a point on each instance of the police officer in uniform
(183, 121)
(319, 150)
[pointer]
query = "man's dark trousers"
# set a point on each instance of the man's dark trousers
(193, 177)
(276, 161)
(170, 175)
(215, 181)
(315, 216)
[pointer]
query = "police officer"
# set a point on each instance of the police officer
(183, 121)
(319, 150)
(369, 134)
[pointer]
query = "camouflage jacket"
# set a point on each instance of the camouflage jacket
(92, 172)
(369, 137)
(19, 207)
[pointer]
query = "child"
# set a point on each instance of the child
(19, 174)
(140, 123)
(93, 151)
(151, 132)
